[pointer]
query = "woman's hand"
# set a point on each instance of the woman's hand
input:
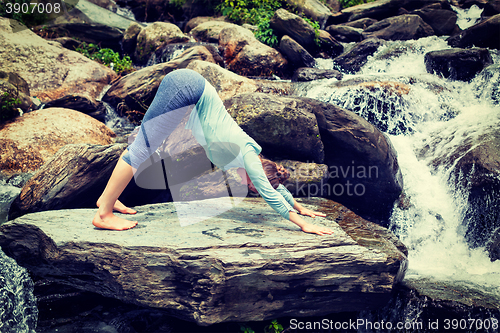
(316, 229)
(311, 213)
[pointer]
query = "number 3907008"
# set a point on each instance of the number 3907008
(32, 8)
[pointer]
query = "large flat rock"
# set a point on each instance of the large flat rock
(243, 264)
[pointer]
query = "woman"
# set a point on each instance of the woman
(184, 95)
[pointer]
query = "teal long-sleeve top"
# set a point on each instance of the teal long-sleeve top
(228, 146)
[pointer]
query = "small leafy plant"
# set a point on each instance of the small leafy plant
(316, 28)
(8, 106)
(107, 57)
(266, 34)
(274, 327)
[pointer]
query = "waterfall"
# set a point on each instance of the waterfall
(395, 93)
(18, 311)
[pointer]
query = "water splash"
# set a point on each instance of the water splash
(18, 311)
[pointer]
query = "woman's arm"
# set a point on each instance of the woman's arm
(308, 227)
(306, 211)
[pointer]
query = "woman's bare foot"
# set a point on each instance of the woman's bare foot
(112, 222)
(119, 207)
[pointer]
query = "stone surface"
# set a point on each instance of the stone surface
(95, 33)
(345, 34)
(378, 10)
(352, 61)
(285, 23)
(50, 70)
(29, 141)
(209, 31)
(282, 126)
(457, 64)
(313, 9)
(155, 35)
(483, 34)
(245, 55)
(295, 53)
(73, 178)
(402, 27)
(442, 21)
(16, 87)
(243, 264)
(310, 74)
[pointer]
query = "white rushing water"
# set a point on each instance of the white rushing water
(432, 107)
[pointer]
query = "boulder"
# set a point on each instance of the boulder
(77, 103)
(483, 34)
(133, 93)
(7, 196)
(50, 70)
(16, 87)
(304, 177)
(402, 27)
(310, 74)
(203, 51)
(457, 64)
(328, 45)
(313, 9)
(377, 10)
(155, 35)
(473, 166)
(129, 40)
(73, 178)
(345, 34)
(209, 31)
(296, 54)
(285, 23)
(364, 173)
(282, 126)
(29, 141)
(352, 61)
(362, 23)
(245, 55)
(103, 12)
(442, 21)
(242, 264)
(105, 36)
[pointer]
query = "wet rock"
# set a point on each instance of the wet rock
(282, 126)
(354, 59)
(442, 21)
(304, 177)
(230, 267)
(105, 36)
(310, 74)
(488, 84)
(473, 166)
(483, 34)
(169, 52)
(209, 31)
(245, 55)
(29, 141)
(155, 35)
(103, 12)
(312, 9)
(16, 87)
(491, 8)
(345, 34)
(364, 173)
(7, 196)
(74, 102)
(285, 23)
(73, 178)
(378, 10)
(328, 45)
(402, 27)
(295, 53)
(457, 64)
(362, 23)
(129, 40)
(50, 70)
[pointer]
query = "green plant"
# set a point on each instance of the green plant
(316, 28)
(107, 57)
(246, 329)
(274, 327)
(266, 34)
(8, 105)
(249, 11)
(350, 3)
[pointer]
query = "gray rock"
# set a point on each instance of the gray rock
(402, 27)
(7, 196)
(457, 64)
(242, 264)
(442, 21)
(483, 34)
(313, 9)
(354, 59)
(295, 53)
(285, 23)
(345, 34)
(310, 74)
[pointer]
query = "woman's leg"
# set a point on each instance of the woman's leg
(177, 90)
(104, 218)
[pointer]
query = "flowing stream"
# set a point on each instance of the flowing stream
(459, 112)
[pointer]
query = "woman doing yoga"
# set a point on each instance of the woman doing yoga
(185, 95)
